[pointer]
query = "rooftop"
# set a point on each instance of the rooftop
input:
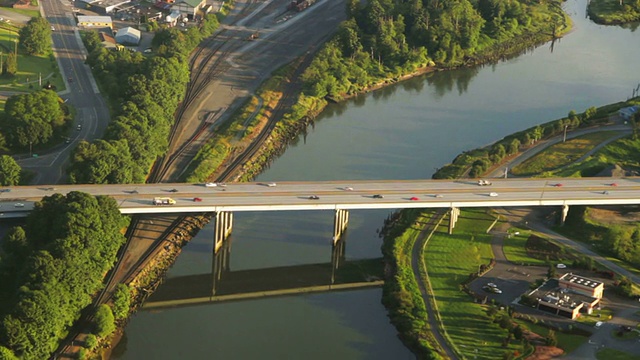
(579, 280)
(552, 294)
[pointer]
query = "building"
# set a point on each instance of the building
(108, 41)
(173, 18)
(95, 21)
(628, 112)
(128, 36)
(582, 285)
(105, 7)
(189, 8)
(568, 296)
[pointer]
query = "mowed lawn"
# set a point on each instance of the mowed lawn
(514, 247)
(449, 260)
(561, 154)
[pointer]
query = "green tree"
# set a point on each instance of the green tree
(35, 37)
(121, 301)
(9, 171)
(31, 119)
(10, 66)
(104, 321)
(551, 338)
(101, 162)
(7, 354)
(90, 342)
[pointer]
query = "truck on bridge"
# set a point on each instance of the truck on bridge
(163, 201)
(484, 182)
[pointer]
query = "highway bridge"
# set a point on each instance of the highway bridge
(340, 196)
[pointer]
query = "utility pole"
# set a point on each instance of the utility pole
(564, 138)
(15, 52)
(506, 170)
(40, 79)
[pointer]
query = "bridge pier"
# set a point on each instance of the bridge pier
(565, 212)
(340, 222)
(222, 229)
(337, 256)
(453, 218)
(220, 264)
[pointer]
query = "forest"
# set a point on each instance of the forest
(51, 267)
(385, 39)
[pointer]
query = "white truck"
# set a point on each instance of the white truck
(484, 182)
(163, 201)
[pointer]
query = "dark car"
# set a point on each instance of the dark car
(378, 196)
(173, 190)
(314, 197)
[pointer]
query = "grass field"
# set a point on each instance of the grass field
(597, 315)
(610, 354)
(30, 68)
(561, 154)
(566, 342)
(449, 260)
(515, 250)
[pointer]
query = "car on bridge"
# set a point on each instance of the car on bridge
(314, 197)
(493, 194)
(210, 184)
(438, 195)
(378, 196)
(271, 184)
(348, 188)
(414, 198)
(197, 199)
(18, 205)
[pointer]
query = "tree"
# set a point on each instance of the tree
(35, 37)
(121, 301)
(551, 338)
(10, 64)
(31, 119)
(104, 321)
(9, 171)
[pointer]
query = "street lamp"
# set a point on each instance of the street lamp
(30, 147)
(564, 138)
(15, 52)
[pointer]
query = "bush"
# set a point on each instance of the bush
(104, 321)
(90, 342)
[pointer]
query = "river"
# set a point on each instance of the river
(404, 131)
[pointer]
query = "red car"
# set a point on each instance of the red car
(558, 185)
(614, 184)
(197, 199)
(414, 198)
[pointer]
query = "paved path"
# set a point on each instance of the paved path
(417, 259)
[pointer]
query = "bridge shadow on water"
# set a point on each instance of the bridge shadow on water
(223, 284)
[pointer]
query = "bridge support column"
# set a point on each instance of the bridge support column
(565, 212)
(340, 224)
(453, 218)
(337, 256)
(222, 229)
(219, 265)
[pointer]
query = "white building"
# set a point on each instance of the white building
(128, 36)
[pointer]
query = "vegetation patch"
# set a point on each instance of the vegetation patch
(567, 341)
(611, 354)
(613, 11)
(450, 259)
(401, 294)
(561, 154)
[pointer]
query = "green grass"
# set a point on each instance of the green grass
(449, 260)
(26, 12)
(29, 67)
(610, 11)
(626, 335)
(515, 250)
(561, 154)
(611, 354)
(566, 342)
(604, 315)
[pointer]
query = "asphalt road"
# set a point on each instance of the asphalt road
(137, 198)
(82, 93)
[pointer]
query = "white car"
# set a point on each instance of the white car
(492, 285)
(18, 205)
(348, 188)
(561, 266)
(493, 194)
(53, 29)
(210, 184)
(271, 184)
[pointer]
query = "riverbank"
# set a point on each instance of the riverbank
(613, 12)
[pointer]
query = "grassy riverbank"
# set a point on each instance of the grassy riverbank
(611, 12)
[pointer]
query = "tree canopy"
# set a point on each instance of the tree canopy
(32, 119)
(51, 267)
(35, 37)
(9, 171)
